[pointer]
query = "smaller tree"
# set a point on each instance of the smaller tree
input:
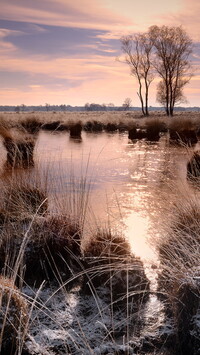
(23, 107)
(87, 106)
(138, 52)
(127, 104)
(47, 107)
(17, 109)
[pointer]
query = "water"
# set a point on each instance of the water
(127, 180)
(130, 183)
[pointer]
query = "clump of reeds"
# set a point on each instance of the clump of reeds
(19, 151)
(132, 132)
(21, 201)
(51, 126)
(153, 129)
(122, 127)
(50, 251)
(93, 126)
(75, 130)
(180, 272)
(31, 124)
(13, 318)
(193, 166)
(110, 263)
(111, 127)
(183, 131)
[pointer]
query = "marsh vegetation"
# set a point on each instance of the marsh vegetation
(99, 228)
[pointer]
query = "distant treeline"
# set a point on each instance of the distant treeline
(87, 107)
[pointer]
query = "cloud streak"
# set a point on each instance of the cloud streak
(79, 14)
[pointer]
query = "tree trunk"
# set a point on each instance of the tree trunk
(167, 98)
(141, 98)
(172, 97)
(146, 98)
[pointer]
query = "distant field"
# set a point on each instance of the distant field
(115, 117)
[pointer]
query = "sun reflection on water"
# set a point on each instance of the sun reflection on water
(137, 232)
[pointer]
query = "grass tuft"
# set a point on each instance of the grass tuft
(13, 318)
(21, 201)
(153, 128)
(93, 126)
(193, 166)
(110, 263)
(75, 130)
(19, 151)
(50, 251)
(183, 131)
(31, 124)
(179, 277)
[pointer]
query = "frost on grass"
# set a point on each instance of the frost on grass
(67, 323)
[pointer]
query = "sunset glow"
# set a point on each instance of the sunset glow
(64, 52)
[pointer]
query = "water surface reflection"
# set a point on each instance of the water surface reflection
(126, 179)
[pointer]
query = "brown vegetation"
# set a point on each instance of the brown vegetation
(19, 150)
(51, 126)
(110, 263)
(183, 131)
(179, 276)
(31, 124)
(13, 318)
(193, 166)
(51, 247)
(21, 201)
(75, 130)
(93, 126)
(154, 127)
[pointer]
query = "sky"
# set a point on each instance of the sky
(64, 51)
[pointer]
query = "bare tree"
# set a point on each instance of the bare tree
(138, 51)
(127, 104)
(161, 96)
(47, 107)
(17, 109)
(23, 107)
(172, 49)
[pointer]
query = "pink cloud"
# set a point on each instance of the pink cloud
(80, 13)
(188, 17)
(6, 46)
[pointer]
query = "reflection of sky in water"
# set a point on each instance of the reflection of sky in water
(125, 178)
